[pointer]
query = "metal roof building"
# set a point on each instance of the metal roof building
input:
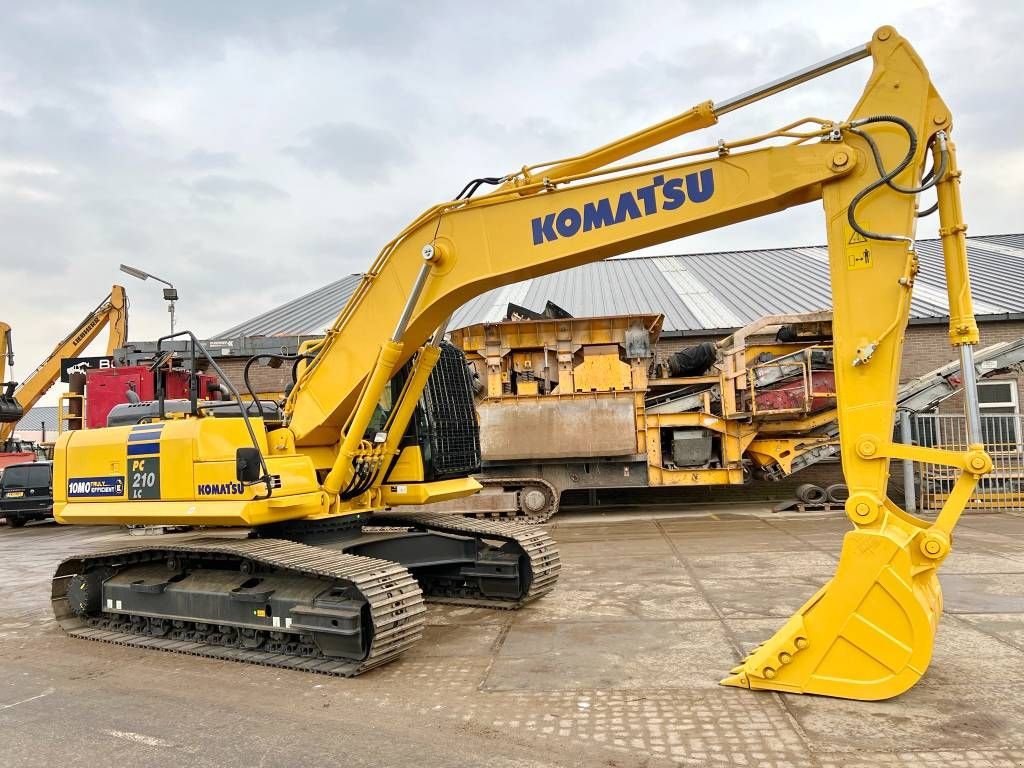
(697, 293)
(308, 315)
(41, 419)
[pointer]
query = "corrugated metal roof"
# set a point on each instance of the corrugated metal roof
(41, 414)
(696, 292)
(308, 315)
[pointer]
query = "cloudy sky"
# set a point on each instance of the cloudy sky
(253, 151)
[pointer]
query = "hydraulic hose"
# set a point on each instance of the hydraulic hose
(270, 356)
(367, 477)
(929, 180)
(885, 177)
(470, 189)
(933, 177)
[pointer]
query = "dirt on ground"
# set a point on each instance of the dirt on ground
(617, 667)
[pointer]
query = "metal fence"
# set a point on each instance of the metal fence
(1003, 488)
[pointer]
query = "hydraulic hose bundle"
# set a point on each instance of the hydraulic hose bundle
(930, 179)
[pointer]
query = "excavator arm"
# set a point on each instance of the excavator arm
(111, 312)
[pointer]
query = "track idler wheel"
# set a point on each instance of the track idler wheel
(868, 633)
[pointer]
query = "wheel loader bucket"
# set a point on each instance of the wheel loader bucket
(867, 634)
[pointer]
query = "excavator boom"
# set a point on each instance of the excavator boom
(112, 312)
(339, 449)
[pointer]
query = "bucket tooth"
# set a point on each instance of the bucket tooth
(867, 634)
(736, 680)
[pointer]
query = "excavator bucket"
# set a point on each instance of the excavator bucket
(868, 633)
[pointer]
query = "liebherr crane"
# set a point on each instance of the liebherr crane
(312, 586)
(112, 313)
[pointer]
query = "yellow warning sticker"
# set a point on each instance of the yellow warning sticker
(858, 251)
(858, 258)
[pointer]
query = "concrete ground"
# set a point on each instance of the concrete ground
(617, 667)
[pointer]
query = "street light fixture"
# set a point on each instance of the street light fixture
(170, 292)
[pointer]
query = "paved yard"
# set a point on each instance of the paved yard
(618, 667)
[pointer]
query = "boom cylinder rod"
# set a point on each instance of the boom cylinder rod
(971, 405)
(963, 328)
(700, 116)
(438, 336)
(10, 347)
(409, 398)
(909, 491)
(342, 471)
(414, 295)
(405, 407)
(794, 78)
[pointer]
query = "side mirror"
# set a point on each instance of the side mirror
(247, 465)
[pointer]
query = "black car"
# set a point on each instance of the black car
(26, 492)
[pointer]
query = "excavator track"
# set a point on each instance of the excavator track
(543, 563)
(395, 603)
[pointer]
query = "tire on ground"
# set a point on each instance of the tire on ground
(809, 493)
(838, 493)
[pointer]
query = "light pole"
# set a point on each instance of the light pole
(170, 292)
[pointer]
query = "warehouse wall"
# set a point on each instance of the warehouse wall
(265, 380)
(927, 347)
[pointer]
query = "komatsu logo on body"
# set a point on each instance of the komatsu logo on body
(220, 489)
(660, 195)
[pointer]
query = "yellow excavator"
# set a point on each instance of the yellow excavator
(16, 400)
(317, 574)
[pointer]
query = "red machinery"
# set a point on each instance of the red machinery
(800, 395)
(107, 387)
(14, 451)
